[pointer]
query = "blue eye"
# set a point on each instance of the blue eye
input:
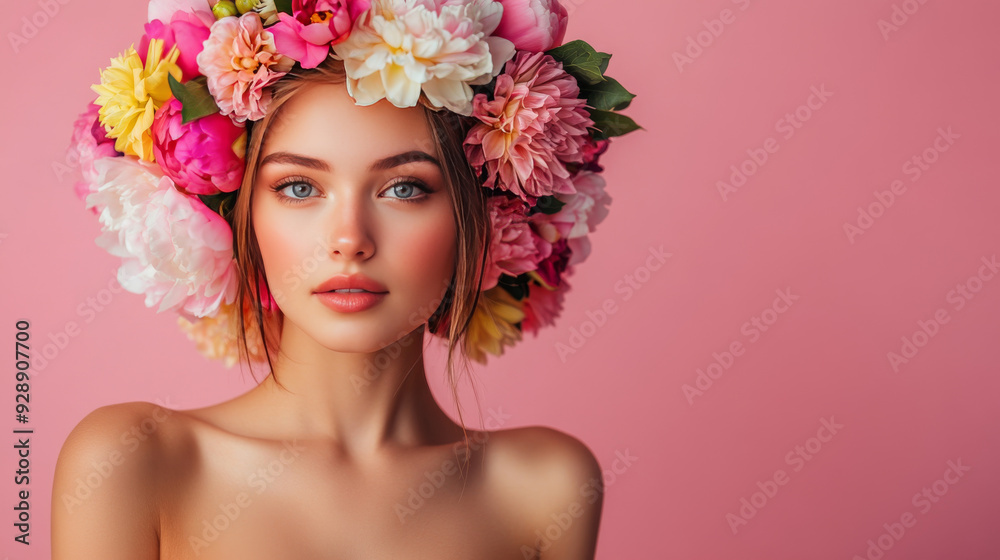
(297, 191)
(406, 189)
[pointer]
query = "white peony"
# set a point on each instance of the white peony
(400, 47)
(176, 250)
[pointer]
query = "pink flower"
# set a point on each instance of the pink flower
(89, 143)
(535, 124)
(175, 250)
(204, 156)
(315, 25)
(512, 250)
(542, 306)
(579, 216)
(240, 62)
(533, 25)
(187, 31)
(592, 151)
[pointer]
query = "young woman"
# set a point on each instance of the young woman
(356, 228)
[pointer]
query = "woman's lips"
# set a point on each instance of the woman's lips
(348, 302)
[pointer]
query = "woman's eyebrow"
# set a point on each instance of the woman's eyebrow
(382, 164)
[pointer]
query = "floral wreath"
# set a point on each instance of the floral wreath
(163, 144)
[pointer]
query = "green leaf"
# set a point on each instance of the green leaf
(516, 287)
(283, 6)
(610, 124)
(196, 101)
(608, 95)
(548, 204)
(581, 61)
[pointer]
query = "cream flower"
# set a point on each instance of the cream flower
(217, 338)
(399, 48)
(129, 94)
(176, 250)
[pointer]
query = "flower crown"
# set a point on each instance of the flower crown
(162, 147)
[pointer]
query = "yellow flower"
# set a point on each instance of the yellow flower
(130, 93)
(493, 324)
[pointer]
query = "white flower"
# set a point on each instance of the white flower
(175, 250)
(400, 47)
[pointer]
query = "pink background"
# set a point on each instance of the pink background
(622, 390)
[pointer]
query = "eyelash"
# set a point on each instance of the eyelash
(303, 181)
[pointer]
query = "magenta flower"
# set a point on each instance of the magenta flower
(551, 269)
(512, 249)
(535, 124)
(187, 31)
(533, 25)
(240, 61)
(89, 143)
(315, 26)
(204, 156)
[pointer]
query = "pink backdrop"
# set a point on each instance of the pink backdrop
(819, 182)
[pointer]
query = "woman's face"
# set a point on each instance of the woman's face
(343, 189)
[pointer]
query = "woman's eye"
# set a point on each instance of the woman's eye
(407, 191)
(296, 190)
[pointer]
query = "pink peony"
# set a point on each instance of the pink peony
(313, 27)
(542, 307)
(187, 31)
(240, 62)
(535, 124)
(533, 25)
(204, 156)
(89, 143)
(512, 250)
(175, 250)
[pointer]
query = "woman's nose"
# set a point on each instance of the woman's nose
(349, 233)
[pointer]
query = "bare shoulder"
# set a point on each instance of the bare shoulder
(107, 482)
(552, 482)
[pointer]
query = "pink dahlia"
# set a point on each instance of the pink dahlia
(512, 250)
(89, 143)
(184, 29)
(533, 25)
(175, 250)
(313, 27)
(542, 306)
(535, 124)
(240, 61)
(204, 156)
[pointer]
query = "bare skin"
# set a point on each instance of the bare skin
(335, 464)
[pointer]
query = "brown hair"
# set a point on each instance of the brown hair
(469, 204)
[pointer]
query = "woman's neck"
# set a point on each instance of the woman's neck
(364, 403)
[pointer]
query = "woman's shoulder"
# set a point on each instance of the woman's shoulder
(541, 472)
(107, 480)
